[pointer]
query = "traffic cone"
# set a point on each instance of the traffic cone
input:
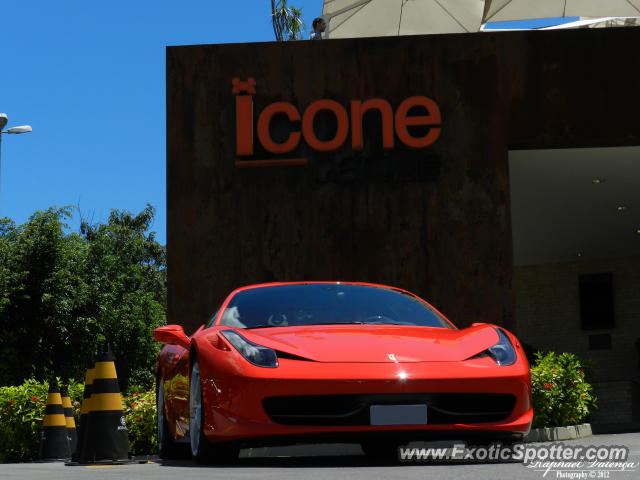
(54, 443)
(68, 416)
(84, 413)
(106, 433)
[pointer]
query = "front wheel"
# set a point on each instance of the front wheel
(202, 450)
(167, 447)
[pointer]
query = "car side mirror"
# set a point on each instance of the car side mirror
(172, 335)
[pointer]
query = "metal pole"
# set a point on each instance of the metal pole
(3, 122)
(1, 168)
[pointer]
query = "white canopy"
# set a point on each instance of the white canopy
(379, 18)
(507, 10)
(376, 18)
(605, 22)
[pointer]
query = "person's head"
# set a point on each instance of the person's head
(319, 25)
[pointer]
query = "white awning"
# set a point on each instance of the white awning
(375, 18)
(606, 22)
(508, 10)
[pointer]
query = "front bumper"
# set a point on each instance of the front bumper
(235, 402)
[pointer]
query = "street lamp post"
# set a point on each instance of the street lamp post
(20, 129)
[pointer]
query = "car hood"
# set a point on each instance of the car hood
(376, 343)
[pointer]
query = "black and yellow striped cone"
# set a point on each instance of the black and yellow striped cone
(54, 442)
(68, 416)
(107, 439)
(84, 414)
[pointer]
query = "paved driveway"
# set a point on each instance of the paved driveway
(336, 461)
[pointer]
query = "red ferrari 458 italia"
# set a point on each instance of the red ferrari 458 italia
(321, 361)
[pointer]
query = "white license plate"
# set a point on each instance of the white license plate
(398, 414)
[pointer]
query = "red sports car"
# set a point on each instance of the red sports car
(318, 361)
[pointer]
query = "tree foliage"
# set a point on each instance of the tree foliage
(62, 294)
(287, 21)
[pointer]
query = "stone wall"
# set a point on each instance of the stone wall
(618, 404)
(547, 310)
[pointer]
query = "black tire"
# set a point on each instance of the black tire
(167, 447)
(203, 451)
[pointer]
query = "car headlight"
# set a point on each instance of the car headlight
(502, 352)
(252, 352)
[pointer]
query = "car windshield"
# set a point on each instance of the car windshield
(327, 304)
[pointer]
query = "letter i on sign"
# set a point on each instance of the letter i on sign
(244, 114)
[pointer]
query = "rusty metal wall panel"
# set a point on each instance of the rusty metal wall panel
(434, 221)
(571, 88)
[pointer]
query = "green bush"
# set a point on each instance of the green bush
(22, 411)
(21, 414)
(560, 394)
(140, 412)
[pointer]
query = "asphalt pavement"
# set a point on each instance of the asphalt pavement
(337, 461)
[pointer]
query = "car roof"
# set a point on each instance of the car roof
(319, 282)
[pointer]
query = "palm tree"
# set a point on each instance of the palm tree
(287, 21)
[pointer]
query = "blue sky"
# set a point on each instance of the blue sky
(89, 77)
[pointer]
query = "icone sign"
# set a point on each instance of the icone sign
(394, 124)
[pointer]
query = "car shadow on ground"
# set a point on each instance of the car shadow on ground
(328, 456)
(317, 462)
(281, 462)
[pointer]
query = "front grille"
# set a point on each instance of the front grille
(334, 410)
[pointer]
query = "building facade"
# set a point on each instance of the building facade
(422, 162)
